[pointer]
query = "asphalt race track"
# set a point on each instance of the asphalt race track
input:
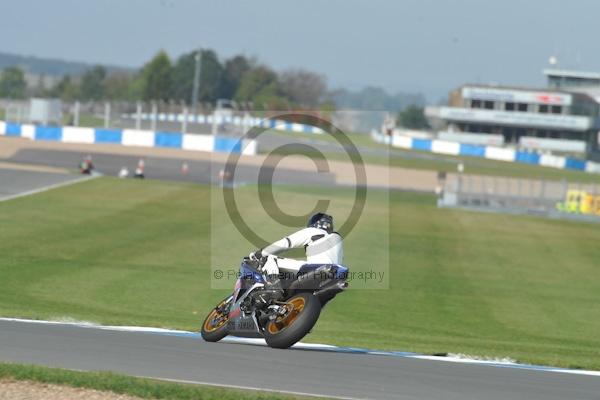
(326, 373)
(14, 182)
(165, 168)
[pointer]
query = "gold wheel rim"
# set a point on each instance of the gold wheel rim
(295, 308)
(209, 326)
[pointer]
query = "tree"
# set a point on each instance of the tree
(303, 87)
(183, 77)
(65, 89)
(211, 74)
(156, 78)
(253, 82)
(260, 85)
(119, 86)
(92, 83)
(234, 70)
(12, 83)
(412, 117)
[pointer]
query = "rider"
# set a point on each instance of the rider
(86, 166)
(321, 244)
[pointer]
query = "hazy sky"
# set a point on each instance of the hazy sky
(409, 45)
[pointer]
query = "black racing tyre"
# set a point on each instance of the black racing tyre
(303, 312)
(214, 327)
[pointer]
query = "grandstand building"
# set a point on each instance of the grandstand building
(563, 117)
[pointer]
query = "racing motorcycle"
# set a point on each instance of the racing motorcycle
(281, 317)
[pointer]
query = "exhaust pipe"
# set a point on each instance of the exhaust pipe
(332, 290)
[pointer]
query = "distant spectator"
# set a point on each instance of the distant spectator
(123, 173)
(139, 171)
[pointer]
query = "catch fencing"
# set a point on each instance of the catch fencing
(554, 199)
(224, 119)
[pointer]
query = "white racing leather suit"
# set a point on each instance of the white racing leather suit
(321, 247)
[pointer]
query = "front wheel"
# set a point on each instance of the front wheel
(214, 327)
(302, 313)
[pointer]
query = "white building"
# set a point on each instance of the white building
(564, 116)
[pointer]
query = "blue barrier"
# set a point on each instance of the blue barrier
(472, 150)
(575, 164)
(527, 157)
(53, 133)
(108, 136)
(13, 129)
(480, 151)
(227, 145)
(115, 136)
(421, 144)
(168, 139)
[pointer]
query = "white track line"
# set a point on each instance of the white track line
(312, 346)
(47, 188)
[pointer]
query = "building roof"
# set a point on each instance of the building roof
(571, 73)
(580, 94)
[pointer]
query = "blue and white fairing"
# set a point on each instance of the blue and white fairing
(325, 280)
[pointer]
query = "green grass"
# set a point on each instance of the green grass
(478, 166)
(121, 384)
(359, 139)
(140, 253)
(437, 162)
(85, 120)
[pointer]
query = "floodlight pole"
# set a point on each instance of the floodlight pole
(198, 59)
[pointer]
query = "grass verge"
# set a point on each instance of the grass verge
(416, 159)
(122, 384)
(140, 253)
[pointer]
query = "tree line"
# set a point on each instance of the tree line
(239, 78)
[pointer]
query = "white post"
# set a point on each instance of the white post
(138, 116)
(215, 127)
(106, 115)
(196, 85)
(214, 124)
(76, 114)
(185, 120)
(154, 116)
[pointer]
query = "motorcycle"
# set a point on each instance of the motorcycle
(281, 317)
(86, 167)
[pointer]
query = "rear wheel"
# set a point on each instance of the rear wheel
(214, 327)
(302, 312)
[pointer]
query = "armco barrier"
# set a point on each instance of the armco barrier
(111, 136)
(489, 152)
(472, 150)
(53, 133)
(12, 129)
(129, 137)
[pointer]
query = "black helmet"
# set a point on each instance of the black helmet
(322, 221)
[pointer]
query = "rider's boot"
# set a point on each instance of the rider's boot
(273, 284)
